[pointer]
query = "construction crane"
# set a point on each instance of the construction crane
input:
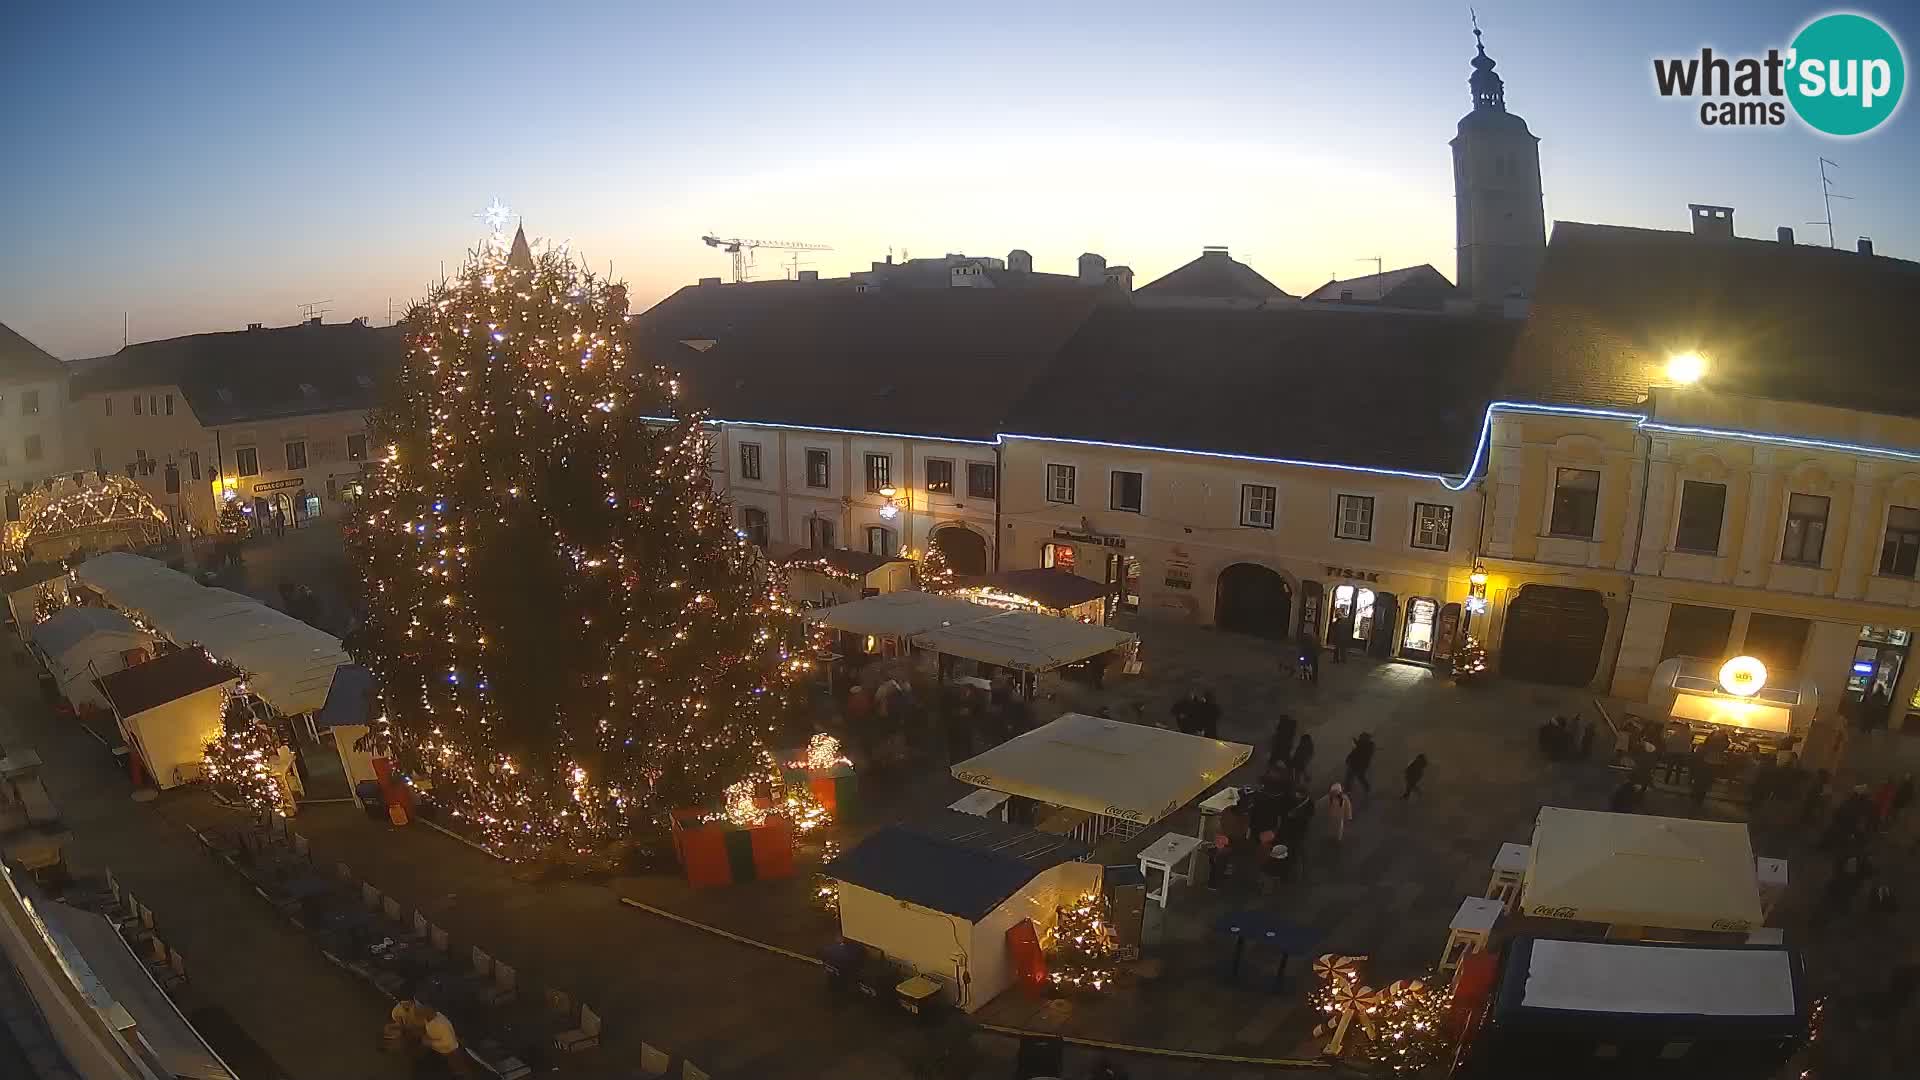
(742, 251)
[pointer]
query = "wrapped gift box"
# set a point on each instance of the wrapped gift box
(837, 789)
(717, 853)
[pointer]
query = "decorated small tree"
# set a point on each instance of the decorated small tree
(1082, 953)
(243, 764)
(1470, 663)
(934, 572)
(566, 628)
(233, 521)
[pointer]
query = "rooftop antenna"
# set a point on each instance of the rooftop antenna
(123, 329)
(1378, 264)
(315, 309)
(1827, 195)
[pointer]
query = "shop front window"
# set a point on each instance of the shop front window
(1056, 556)
(1123, 581)
(1357, 602)
(1421, 614)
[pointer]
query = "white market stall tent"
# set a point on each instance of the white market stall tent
(898, 614)
(1633, 870)
(940, 895)
(1130, 773)
(289, 664)
(169, 709)
(1024, 640)
(81, 644)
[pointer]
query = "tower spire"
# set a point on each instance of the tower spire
(1488, 90)
(520, 257)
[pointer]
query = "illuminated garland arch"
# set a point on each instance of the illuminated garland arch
(87, 509)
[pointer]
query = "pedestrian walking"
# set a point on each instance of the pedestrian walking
(1183, 712)
(1816, 799)
(1625, 798)
(1281, 750)
(1339, 811)
(1586, 738)
(1310, 656)
(1360, 762)
(1206, 716)
(1883, 803)
(1416, 769)
(1340, 633)
(1303, 757)
(1848, 875)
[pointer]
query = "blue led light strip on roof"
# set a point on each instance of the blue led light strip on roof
(1783, 440)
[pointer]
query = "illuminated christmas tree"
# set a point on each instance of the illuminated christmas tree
(233, 520)
(1081, 951)
(1470, 663)
(935, 574)
(566, 629)
(243, 764)
(49, 601)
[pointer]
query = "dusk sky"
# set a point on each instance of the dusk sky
(202, 166)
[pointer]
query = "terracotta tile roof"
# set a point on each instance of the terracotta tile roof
(1791, 323)
(1214, 275)
(1417, 287)
(22, 359)
(933, 362)
(242, 375)
(1357, 386)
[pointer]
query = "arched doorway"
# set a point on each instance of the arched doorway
(1357, 602)
(1252, 599)
(1554, 635)
(966, 550)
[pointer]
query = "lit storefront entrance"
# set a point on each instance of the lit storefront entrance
(1374, 614)
(1878, 659)
(1123, 582)
(1417, 637)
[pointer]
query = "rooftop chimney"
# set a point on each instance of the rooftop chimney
(361, 321)
(315, 321)
(1712, 222)
(709, 281)
(1214, 249)
(1093, 269)
(1786, 235)
(255, 326)
(1120, 278)
(1019, 261)
(1866, 245)
(808, 275)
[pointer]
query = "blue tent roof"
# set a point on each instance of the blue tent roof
(71, 625)
(954, 863)
(348, 698)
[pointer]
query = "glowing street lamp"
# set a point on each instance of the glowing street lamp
(1686, 368)
(892, 508)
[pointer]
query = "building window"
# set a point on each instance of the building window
(1056, 556)
(1125, 491)
(879, 471)
(33, 448)
(1060, 483)
(169, 404)
(29, 402)
(1355, 518)
(1257, 502)
(880, 541)
(940, 476)
(819, 533)
(1900, 551)
(193, 464)
(1576, 502)
(983, 480)
(753, 522)
(1806, 529)
(749, 461)
(153, 404)
(246, 461)
(1779, 641)
(297, 454)
(1432, 526)
(819, 468)
(356, 448)
(109, 403)
(136, 405)
(1702, 507)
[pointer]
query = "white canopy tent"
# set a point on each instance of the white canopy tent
(1129, 772)
(82, 644)
(289, 664)
(899, 614)
(1024, 640)
(1636, 870)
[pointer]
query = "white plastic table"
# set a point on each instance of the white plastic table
(1509, 870)
(1212, 807)
(983, 802)
(1164, 855)
(1468, 931)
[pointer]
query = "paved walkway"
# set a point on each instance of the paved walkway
(314, 1021)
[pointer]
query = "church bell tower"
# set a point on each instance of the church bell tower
(1500, 218)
